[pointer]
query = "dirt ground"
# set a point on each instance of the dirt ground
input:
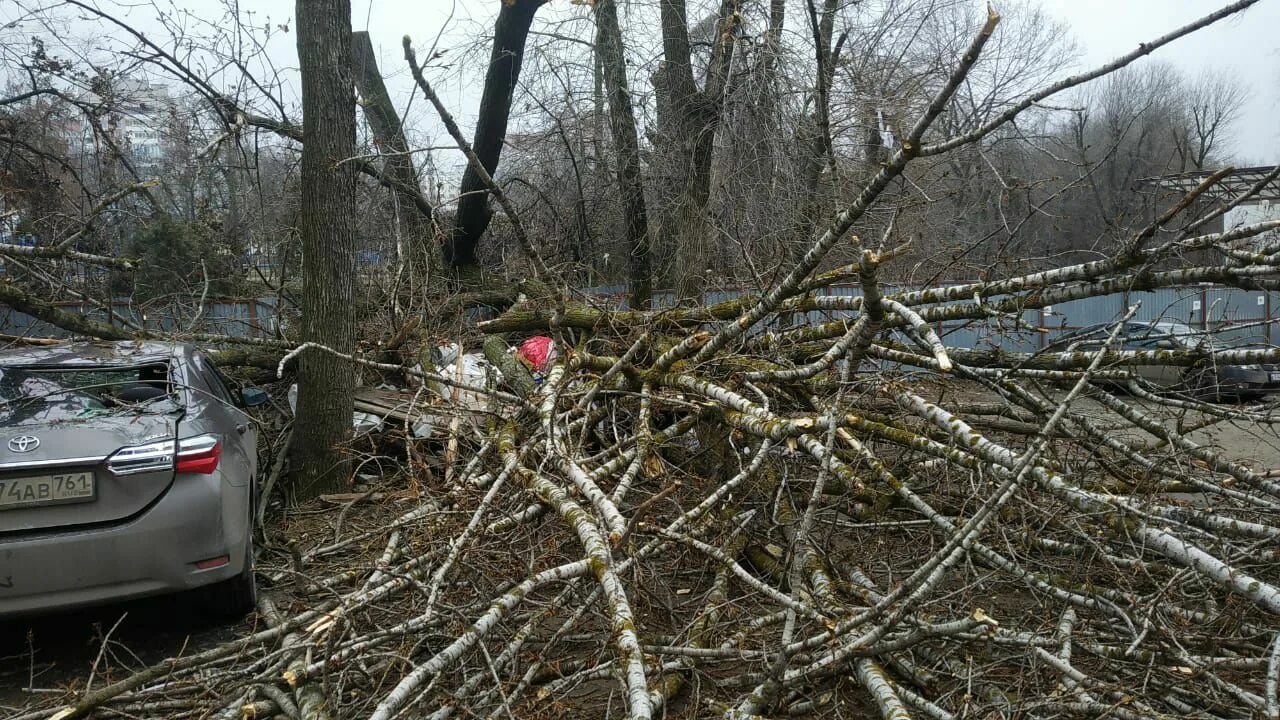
(1257, 445)
(50, 655)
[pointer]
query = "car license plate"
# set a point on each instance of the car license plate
(46, 490)
(1275, 377)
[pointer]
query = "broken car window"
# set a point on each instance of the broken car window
(30, 398)
(136, 388)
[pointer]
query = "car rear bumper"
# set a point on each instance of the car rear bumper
(198, 518)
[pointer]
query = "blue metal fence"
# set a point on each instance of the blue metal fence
(1235, 316)
(234, 318)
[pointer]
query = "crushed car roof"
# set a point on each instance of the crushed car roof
(124, 352)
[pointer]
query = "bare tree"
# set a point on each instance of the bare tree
(992, 533)
(689, 112)
(1211, 103)
(1138, 124)
(622, 123)
(413, 213)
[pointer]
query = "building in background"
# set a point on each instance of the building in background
(146, 117)
(136, 114)
(1262, 206)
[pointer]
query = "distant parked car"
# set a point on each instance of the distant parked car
(127, 469)
(1208, 380)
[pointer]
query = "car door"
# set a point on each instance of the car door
(240, 434)
(1148, 339)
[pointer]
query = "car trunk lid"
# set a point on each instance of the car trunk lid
(71, 473)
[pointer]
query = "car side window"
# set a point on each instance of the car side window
(1154, 341)
(213, 378)
(223, 382)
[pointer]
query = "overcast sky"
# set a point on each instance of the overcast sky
(1247, 45)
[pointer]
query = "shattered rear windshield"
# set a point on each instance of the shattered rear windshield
(29, 398)
(35, 394)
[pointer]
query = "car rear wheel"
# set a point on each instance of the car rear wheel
(234, 598)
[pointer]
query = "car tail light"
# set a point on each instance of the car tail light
(199, 454)
(142, 458)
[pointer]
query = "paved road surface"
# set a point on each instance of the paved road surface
(1253, 444)
(45, 654)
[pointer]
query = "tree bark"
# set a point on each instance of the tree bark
(413, 211)
(816, 135)
(622, 125)
(688, 118)
(327, 227)
(509, 35)
(24, 302)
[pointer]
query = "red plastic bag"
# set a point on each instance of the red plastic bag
(538, 352)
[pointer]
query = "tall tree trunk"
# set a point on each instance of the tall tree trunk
(417, 250)
(327, 226)
(688, 118)
(817, 134)
(412, 210)
(622, 124)
(509, 35)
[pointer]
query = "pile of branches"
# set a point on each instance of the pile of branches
(704, 512)
(686, 530)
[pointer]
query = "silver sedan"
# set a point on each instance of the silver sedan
(126, 469)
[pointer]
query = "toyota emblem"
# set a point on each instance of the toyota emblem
(24, 443)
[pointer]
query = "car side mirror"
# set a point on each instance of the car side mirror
(254, 397)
